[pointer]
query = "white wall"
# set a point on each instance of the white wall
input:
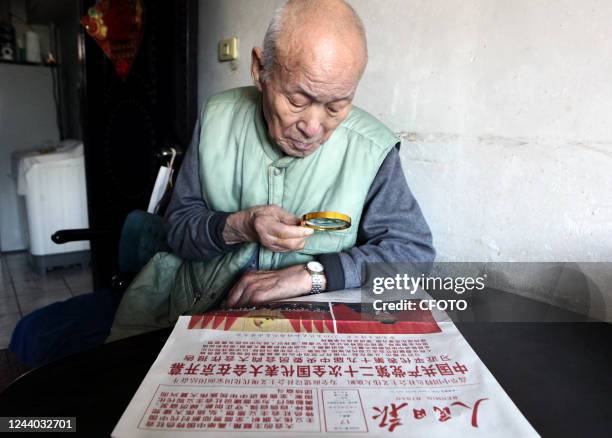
(505, 111)
(220, 19)
(27, 120)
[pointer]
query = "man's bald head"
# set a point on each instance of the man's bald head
(313, 58)
(315, 30)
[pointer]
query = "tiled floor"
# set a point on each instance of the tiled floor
(23, 290)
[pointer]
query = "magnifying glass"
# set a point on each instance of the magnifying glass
(326, 221)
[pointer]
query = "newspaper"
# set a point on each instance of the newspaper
(309, 369)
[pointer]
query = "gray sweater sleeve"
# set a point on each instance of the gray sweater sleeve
(392, 229)
(194, 232)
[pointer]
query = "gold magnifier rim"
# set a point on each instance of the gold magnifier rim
(345, 219)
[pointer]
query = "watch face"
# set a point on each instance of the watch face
(315, 267)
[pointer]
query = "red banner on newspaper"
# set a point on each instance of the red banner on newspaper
(292, 317)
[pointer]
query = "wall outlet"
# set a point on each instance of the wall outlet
(228, 49)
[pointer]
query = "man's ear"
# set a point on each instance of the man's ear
(257, 66)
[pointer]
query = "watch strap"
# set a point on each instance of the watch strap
(317, 284)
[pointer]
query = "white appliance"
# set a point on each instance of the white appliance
(53, 184)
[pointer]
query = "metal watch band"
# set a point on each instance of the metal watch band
(317, 284)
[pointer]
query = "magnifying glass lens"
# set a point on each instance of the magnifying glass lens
(326, 221)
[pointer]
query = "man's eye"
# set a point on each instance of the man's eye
(298, 103)
(333, 109)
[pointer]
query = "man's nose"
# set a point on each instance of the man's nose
(311, 124)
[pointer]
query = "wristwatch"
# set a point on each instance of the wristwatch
(316, 271)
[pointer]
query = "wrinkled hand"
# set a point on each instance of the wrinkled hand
(269, 225)
(256, 287)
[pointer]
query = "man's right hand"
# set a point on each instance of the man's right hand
(269, 225)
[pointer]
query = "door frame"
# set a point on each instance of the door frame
(185, 94)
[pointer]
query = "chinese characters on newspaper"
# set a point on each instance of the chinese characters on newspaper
(317, 369)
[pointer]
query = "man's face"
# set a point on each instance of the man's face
(304, 101)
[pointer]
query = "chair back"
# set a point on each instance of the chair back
(143, 235)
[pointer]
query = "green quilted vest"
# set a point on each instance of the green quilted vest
(240, 168)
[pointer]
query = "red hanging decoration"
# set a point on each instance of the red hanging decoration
(116, 25)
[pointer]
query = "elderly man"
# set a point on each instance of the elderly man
(264, 155)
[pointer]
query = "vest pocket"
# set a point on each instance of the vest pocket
(322, 242)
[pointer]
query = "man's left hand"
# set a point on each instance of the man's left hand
(256, 287)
